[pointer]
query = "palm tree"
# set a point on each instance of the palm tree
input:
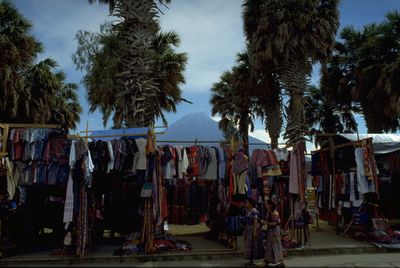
(290, 35)
(50, 99)
(97, 55)
(324, 113)
(67, 109)
(43, 84)
(138, 90)
(18, 51)
(365, 69)
(269, 105)
(170, 67)
(230, 99)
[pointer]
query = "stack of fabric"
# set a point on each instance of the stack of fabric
(161, 243)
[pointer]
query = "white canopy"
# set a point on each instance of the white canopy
(383, 143)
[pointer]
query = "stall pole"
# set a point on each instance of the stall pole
(333, 189)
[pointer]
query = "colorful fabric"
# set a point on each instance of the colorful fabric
(193, 169)
(253, 245)
(240, 163)
(273, 245)
(364, 185)
(239, 181)
(297, 173)
(221, 163)
(212, 167)
(272, 159)
(259, 158)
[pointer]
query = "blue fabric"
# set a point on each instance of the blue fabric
(247, 181)
(121, 132)
(41, 173)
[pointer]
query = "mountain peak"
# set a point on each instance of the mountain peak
(194, 126)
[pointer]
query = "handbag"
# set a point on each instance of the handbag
(147, 190)
(380, 224)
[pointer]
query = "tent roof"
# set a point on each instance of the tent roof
(383, 143)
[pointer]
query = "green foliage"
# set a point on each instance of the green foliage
(287, 36)
(29, 92)
(365, 69)
(328, 116)
(151, 62)
(232, 100)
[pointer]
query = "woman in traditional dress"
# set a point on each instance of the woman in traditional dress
(252, 234)
(273, 247)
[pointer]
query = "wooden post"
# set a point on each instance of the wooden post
(332, 155)
(5, 137)
(87, 132)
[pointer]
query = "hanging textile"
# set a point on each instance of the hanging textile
(82, 175)
(297, 171)
(364, 184)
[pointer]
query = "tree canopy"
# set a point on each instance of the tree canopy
(31, 92)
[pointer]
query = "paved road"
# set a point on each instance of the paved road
(355, 260)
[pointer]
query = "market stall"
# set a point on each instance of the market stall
(355, 178)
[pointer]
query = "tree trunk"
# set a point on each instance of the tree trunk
(245, 139)
(274, 122)
(138, 88)
(244, 132)
(372, 125)
(295, 79)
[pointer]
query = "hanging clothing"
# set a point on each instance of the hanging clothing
(111, 161)
(259, 158)
(12, 181)
(183, 162)
(364, 185)
(221, 164)
(282, 154)
(193, 155)
(211, 169)
(140, 155)
(69, 195)
(297, 173)
(240, 163)
(170, 157)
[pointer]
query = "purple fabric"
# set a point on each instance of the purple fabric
(259, 158)
(240, 163)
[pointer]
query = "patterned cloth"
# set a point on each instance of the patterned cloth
(273, 245)
(259, 158)
(253, 245)
(240, 163)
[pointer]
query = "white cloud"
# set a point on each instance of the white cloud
(261, 134)
(216, 118)
(211, 33)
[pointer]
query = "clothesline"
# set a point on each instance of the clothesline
(75, 136)
(351, 143)
(84, 131)
(212, 141)
(6, 127)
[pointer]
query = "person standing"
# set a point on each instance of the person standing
(273, 247)
(252, 234)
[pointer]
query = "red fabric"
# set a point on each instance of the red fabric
(193, 160)
(259, 158)
(273, 161)
(339, 184)
(18, 144)
(164, 205)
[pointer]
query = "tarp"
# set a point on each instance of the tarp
(122, 131)
(383, 143)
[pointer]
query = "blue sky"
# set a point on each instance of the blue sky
(211, 33)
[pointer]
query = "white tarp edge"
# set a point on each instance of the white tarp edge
(383, 143)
